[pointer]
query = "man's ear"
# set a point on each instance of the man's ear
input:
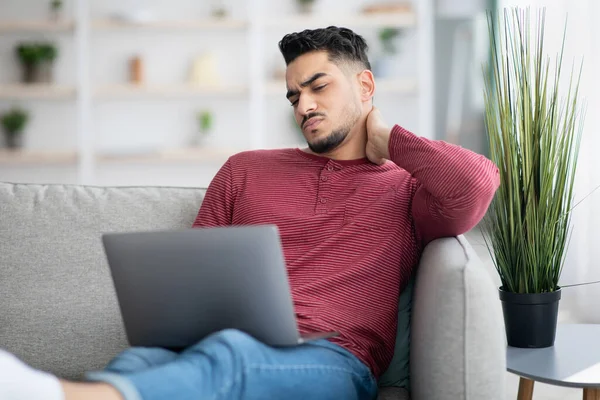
(367, 85)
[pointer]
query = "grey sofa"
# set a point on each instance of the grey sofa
(58, 311)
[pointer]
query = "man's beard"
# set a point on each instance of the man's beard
(336, 137)
(332, 141)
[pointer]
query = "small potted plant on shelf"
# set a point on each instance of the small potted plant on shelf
(55, 9)
(305, 6)
(533, 121)
(13, 123)
(205, 125)
(37, 61)
(384, 64)
(218, 10)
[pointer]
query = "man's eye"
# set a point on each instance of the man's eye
(319, 88)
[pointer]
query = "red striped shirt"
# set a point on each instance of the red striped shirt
(352, 231)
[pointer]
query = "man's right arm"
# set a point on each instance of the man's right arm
(217, 206)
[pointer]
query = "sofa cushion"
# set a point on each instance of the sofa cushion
(398, 372)
(393, 393)
(58, 310)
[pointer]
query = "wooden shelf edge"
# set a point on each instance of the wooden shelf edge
(37, 91)
(37, 26)
(23, 157)
(130, 90)
(397, 19)
(108, 24)
(181, 155)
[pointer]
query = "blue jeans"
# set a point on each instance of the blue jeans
(233, 365)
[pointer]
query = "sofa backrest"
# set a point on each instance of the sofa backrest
(58, 310)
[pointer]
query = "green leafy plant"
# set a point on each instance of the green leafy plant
(35, 53)
(306, 1)
(14, 121)
(205, 121)
(387, 36)
(56, 5)
(534, 139)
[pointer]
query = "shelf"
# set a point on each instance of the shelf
(187, 155)
(396, 19)
(37, 26)
(403, 86)
(36, 91)
(200, 24)
(133, 91)
(23, 157)
(37, 157)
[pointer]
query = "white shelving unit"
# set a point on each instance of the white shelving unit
(257, 93)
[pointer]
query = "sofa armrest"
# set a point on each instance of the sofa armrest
(458, 345)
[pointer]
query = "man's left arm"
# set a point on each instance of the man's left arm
(454, 185)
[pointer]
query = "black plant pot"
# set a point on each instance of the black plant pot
(13, 141)
(38, 73)
(530, 318)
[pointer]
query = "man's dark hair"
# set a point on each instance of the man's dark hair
(341, 45)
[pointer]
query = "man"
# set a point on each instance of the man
(354, 210)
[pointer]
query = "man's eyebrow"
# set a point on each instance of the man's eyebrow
(307, 82)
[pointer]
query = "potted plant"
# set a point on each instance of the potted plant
(13, 124)
(37, 61)
(385, 62)
(534, 130)
(205, 124)
(218, 10)
(305, 6)
(55, 9)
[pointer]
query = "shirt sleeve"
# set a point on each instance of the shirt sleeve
(217, 206)
(453, 186)
(18, 381)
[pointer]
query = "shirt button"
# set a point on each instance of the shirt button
(330, 168)
(323, 200)
(323, 178)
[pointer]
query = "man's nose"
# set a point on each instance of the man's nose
(306, 104)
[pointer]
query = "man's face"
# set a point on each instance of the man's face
(325, 99)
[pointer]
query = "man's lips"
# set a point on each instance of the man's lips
(312, 123)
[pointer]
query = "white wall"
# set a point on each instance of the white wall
(134, 125)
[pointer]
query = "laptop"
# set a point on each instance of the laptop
(176, 287)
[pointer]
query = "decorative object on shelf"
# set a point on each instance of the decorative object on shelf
(218, 10)
(13, 124)
(387, 8)
(205, 71)
(138, 16)
(37, 60)
(55, 9)
(136, 70)
(306, 6)
(384, 64)
(534, 126)
(205, 120)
